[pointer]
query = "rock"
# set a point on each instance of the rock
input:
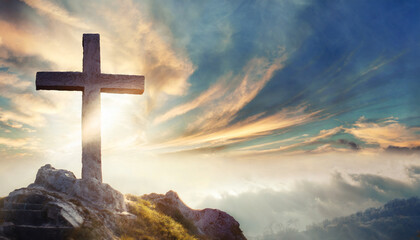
(36, 207)
(90, 190)
(59, 206)
(211, 223)
(30, 213)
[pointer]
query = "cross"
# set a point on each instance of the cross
(91, 82)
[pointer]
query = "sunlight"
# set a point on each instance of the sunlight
(117, 112)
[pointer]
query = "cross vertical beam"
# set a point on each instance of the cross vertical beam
(91, 54)
(91, 134)
(91, 110)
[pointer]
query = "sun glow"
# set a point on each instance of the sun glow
(117, 113)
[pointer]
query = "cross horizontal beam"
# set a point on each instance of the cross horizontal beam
(68, 81)
(117, 83)
(77, 81)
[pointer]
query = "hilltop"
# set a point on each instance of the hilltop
(60, 206)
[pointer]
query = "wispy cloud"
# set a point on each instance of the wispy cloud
(385, 133)
(218, 106)
(245, 130)
(229, 94)
(133, 43)
(293, 143)
(19, 143)
(56, 12)
(24, 106)
(216, 91)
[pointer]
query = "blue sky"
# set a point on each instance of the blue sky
(241, 97)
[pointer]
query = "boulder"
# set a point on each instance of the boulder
(90, 190)
(212, 223)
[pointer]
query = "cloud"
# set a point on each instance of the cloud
(293, 143)
(351, 144)
(308, 202)
(24, 64)
(56, 12)
(218, 106)
(210, 94)
(396, 149)
(229, 94)
(385, 133)
(397, 219)
(11, 81)
(241, 89)
(247, 129)
(133, 43)
(19, 143)
(46, 44)
(25, 107)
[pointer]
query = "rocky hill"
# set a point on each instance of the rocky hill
(59, 206)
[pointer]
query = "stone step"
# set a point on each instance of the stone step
(27, 232)
(27, 217)
(24, 206)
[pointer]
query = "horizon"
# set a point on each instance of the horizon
(277, 112)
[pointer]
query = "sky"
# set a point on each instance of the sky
(283, 112)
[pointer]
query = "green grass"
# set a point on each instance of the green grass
(150, 223)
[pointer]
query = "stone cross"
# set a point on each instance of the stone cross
(91, 82)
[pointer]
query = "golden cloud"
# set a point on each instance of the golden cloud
(386, 133)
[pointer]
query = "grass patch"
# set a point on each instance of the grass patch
(150, 223)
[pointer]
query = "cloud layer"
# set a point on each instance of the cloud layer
(310, 202)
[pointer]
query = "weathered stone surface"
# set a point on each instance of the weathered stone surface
(59, 206)
(59, 180)
(55, 210)
(212, 223)
(92, 83)
(90, 190)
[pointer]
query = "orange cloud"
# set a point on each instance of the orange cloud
(26, 107)
(228, 95)
(252, 127)
(302, 141)
(386, 133)
(219, 105)
(214, 92)
(21, 143)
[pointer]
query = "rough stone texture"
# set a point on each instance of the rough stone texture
(59, 206)
(54, 210)
(90, 190)
(212, 223)
(92, 83)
